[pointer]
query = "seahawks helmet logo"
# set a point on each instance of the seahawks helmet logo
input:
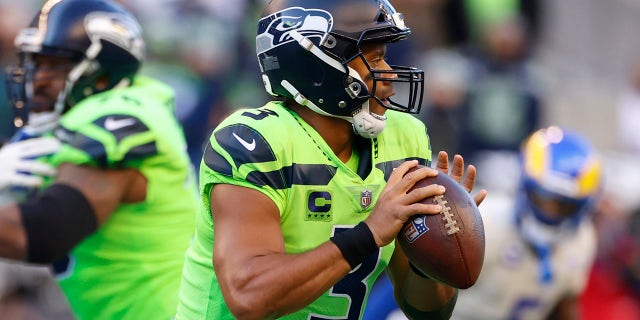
(275, 30)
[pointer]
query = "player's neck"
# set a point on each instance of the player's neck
(337, 133)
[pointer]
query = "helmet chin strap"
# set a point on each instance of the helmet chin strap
(90, 54)
(365, 123)
(41, 122)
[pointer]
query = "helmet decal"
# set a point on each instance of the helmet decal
(117, 28)
(309, 23)
(561, 162)
(44, 13)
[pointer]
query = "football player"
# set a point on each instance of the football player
(117, 214)
(539, 247)
(303, 197)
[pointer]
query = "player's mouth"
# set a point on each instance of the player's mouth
(385, 101)
(41, 103)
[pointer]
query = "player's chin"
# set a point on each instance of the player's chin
(377, 108)
(41, 104)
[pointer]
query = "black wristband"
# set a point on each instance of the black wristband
(418, 272)
(356, 244)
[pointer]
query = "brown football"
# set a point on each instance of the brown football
(448, 246)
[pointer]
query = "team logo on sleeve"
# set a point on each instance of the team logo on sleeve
(414, 230)
(113, 124)
(276, 29)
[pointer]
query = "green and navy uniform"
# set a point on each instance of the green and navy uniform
(272, 150)
(130, 267)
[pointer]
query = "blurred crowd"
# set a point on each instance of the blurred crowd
(485, 92)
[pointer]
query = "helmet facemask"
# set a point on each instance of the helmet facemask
(545, 226)
(36, 115)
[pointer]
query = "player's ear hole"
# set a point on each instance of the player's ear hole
(102, 82)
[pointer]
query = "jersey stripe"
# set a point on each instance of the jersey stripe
(296, 174)
(388, 166)
(244, 144)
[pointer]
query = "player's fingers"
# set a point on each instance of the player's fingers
(443, 162)
(425, 191)
(400, 171)
(414, 176)
(22, 180)
(480, 196)
(36, 167)
(458, 168)
(38, 146)
(419, 194)
(470, 178)
(422, 208)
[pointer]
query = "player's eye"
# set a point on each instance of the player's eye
(376, 62)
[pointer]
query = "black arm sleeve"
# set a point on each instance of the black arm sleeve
(55, 221)
(441, 314)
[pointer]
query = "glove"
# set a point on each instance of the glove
(18, 164)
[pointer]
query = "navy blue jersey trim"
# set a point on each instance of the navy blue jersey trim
(120, 126)
(94, 148)
(140, 152)
(216, 162)
(388, 166)
(297, 174)
(244, 144)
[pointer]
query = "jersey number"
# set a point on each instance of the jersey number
(522, 306)
(259, 114)
(353, 286)
(63, 267)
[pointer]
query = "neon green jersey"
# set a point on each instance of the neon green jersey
(274, 151)
(130, 267)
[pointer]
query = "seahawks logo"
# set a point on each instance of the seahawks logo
(275, 30)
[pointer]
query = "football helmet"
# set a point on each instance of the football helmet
(561, 179)
(101, 39)
(304, 47)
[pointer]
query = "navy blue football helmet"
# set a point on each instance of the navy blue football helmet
(101, 39)
(304, 47)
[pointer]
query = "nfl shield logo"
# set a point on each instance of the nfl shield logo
(417, 228)
(365, 198)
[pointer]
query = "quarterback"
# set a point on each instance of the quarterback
(303, 197)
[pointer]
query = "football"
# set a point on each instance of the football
(448, 246)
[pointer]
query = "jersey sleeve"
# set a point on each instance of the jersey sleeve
(245, 151)
(111, 140)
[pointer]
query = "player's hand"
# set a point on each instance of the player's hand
(18, 164)
(457, 173)
(396, 204)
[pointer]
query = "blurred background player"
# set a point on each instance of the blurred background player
(540, 246)
(116, 217)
